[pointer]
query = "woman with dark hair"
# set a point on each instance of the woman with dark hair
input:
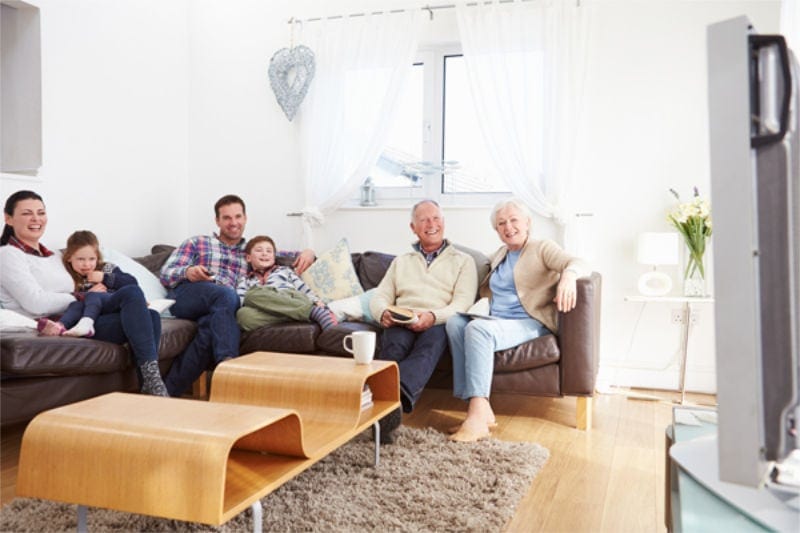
(34, 282)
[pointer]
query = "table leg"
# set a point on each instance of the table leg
(257, 516)
(82, 527)
(377, 432)
(687, 319)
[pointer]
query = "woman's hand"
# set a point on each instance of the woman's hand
(304, 260)
(99, 287)
(566, 292)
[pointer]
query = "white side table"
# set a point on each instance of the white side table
(687, 302)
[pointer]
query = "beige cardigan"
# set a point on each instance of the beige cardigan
(536, 276)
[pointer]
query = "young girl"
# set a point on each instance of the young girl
(102, 288)
(95, 283)
(271, 293)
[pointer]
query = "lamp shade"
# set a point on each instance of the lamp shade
(657, 248)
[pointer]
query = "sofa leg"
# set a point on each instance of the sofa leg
(584, 412)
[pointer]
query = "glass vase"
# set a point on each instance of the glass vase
(694, 282)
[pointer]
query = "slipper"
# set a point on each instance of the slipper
(464, 435)
(454, 429)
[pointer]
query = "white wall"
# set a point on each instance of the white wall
(114, 120)
(153, 109)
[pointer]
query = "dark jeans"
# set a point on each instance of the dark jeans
(213, 307)
(131, 322)
(417, 355)
(93, 305)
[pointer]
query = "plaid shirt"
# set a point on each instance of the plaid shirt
(225, 263)
(279, 278)
(41, 252)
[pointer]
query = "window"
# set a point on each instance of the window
(20, 88)
(435, 147)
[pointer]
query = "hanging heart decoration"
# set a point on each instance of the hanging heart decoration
(290, 73)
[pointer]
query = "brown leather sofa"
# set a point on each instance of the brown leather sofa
(40, 373)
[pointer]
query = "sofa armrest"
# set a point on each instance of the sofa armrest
(579, 339)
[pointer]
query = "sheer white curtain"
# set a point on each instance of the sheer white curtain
(526, 63)
(361, 63)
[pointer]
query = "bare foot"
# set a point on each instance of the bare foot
(49, 328)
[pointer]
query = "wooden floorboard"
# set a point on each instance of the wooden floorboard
(608, 479)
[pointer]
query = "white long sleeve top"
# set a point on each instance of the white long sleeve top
(34, 286)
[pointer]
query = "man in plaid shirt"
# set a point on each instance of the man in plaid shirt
(201, 276)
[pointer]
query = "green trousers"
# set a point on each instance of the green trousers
(265, 306)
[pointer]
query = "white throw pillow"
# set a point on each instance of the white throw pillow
(353, 309)
(13, 321)
(150, 284)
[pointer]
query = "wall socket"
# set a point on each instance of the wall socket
(678, 316)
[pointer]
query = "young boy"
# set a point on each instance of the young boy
(271, 293)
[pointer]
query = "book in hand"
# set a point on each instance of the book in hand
(161, 304)
(401, 315)
(366, 397)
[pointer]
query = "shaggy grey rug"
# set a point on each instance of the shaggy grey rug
(423, 483)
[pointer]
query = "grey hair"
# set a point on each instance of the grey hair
(425, 201)
(516, 203)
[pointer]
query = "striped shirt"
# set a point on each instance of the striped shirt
(279, 278)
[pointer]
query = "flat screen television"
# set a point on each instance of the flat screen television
(755, 177)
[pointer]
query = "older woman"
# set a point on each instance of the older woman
(529, 282)
(34, 282)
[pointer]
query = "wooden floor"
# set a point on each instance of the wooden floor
(608, 479)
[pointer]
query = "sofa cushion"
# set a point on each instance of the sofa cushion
(532, 354)
(332, 276)
(25, 354)
(28, 354)
(330, 340)
(150, 284)
(371, 267)
(289, 337)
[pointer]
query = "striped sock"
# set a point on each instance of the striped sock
(324, 317)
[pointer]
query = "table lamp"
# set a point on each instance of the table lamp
(656, 249)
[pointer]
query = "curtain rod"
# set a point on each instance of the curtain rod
(429, 9)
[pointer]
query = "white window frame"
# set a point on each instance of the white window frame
(433, 58)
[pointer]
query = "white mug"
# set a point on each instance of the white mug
(362, 346)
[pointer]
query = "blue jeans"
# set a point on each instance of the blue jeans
(93, 305)
(473, 343)
(130, 322)
(213, 307)
(417, 355)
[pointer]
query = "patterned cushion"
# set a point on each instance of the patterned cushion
(332, 276)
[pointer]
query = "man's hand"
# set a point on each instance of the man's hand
(566, 292)
(386, 320)
(304, 260)
(198, 273)
(425, 320)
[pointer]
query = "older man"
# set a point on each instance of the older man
(434, 281)
(201, 276)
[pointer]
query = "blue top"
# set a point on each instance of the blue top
(505, 302)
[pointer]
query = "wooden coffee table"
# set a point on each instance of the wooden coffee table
(270, 417)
